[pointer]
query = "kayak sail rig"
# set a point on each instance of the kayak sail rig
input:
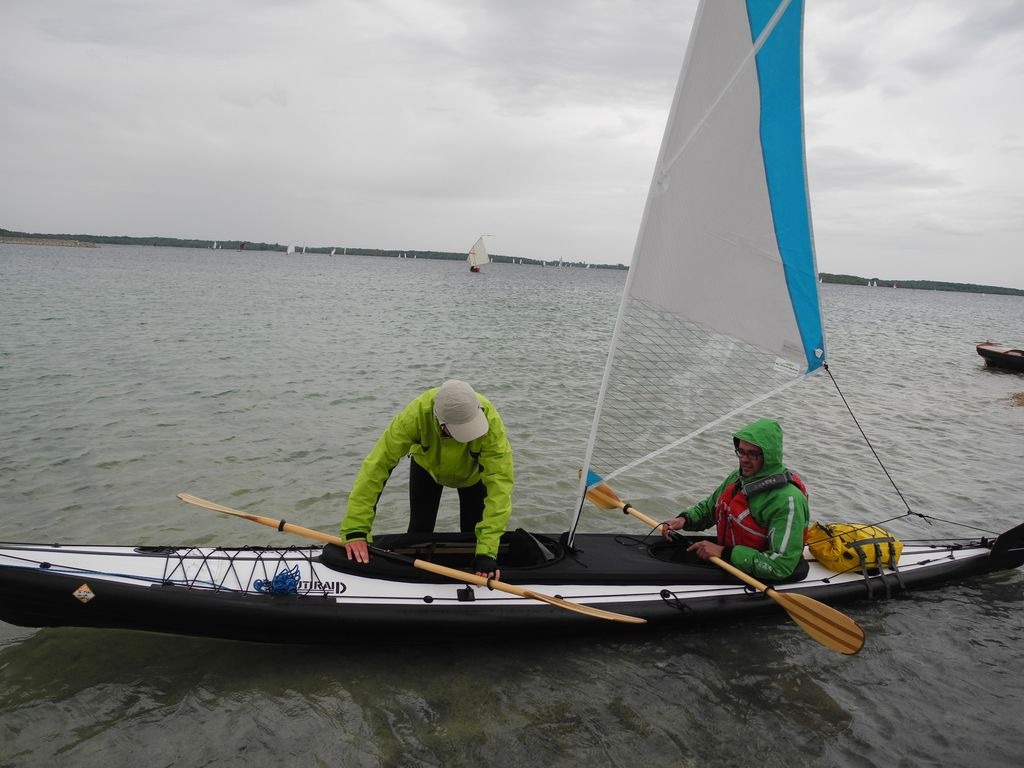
(720, 308)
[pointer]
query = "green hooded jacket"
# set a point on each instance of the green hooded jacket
(415, 432)
(783, 511)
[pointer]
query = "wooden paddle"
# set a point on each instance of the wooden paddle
(833, 629)
(451, 573)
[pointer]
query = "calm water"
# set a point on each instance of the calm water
(129, 375)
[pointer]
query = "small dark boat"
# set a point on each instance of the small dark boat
(999, 356)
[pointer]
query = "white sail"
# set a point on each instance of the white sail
(291, 249)
(478, 254)
(720, 308)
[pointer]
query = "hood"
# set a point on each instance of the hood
(766, 434)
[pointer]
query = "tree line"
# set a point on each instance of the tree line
(922, 285)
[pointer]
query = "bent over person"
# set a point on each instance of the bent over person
(455, 438)
(759, 511)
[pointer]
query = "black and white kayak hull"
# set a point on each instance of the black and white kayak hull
(314, 595)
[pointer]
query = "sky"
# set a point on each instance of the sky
(423, 124)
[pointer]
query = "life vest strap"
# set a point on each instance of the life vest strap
(762, 484)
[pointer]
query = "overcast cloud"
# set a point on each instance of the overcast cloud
(421, 124)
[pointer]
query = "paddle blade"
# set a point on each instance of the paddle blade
(600, 493)
(833, 629)
(188, 498)
(280, 525)
(600, 496)
(586, 610)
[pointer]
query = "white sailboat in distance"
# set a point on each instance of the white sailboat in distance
(478, 255)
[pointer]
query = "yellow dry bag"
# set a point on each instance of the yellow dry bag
(850, 547)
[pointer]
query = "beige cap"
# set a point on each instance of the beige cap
(457, 408)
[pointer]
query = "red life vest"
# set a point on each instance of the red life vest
(734, 524)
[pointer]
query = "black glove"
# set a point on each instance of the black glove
(484, 564)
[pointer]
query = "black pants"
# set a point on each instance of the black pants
(425, 498)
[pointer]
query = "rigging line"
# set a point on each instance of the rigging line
(83, 572)
(929, 518)
(870, 446)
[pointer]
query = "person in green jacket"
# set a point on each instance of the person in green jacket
(760, 510)
(456, 439)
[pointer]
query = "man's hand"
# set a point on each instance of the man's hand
(671, 525)
(358, 551)
(706, 549)
(487, 567)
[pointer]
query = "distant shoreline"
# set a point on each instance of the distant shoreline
(919, 285)
(91, 241)
(45, 241)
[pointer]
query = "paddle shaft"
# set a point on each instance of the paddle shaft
(440, 570)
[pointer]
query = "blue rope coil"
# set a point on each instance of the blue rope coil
(284, 583)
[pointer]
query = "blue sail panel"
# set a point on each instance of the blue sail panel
(782, 143)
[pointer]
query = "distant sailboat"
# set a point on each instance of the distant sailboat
(333, 250)
(291, 249)
(478, 255)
